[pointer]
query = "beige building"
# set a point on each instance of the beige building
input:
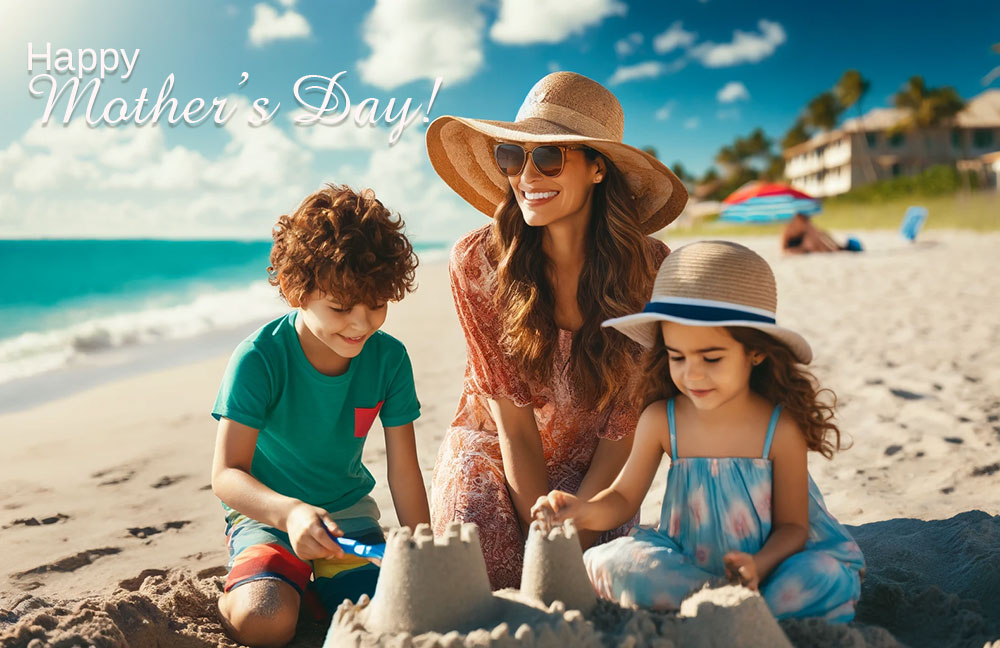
(862, 151)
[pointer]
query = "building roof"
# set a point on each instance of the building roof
(982, 111)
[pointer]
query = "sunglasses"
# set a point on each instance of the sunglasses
(549, 159)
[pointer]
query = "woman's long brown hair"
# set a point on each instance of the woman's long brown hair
(616, 279)
(780, 378)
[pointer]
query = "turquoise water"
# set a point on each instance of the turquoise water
(53, 284)
(60, 299)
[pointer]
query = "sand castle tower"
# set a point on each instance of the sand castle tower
(553, 568)
(730, 617)
(431, 585)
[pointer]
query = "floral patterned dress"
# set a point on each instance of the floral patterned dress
(469, 483)
(714, 505)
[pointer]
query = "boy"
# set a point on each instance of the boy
(295, 406)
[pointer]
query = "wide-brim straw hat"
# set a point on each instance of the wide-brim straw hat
(562, 108)
(712, 283)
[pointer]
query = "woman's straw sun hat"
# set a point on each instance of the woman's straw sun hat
(712, 283)
(562, 108)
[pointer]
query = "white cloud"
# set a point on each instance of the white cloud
(627, 45)
(746, 47)
(691, 123)
(270, 25)
(343, 136)
(732, 91)
(422, 39)
(673, 38)
(404, 181)
(724, 114)
(664, 111)
(646, 70)
(75, 180)
(522, 22)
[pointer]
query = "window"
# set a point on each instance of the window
(897, 168)
(982, 138)
(956, 139)
(897, 140)
(871, 139)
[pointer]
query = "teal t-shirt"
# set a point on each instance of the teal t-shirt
(312, 427)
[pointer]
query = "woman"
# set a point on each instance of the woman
(801, 236)
(548, 397)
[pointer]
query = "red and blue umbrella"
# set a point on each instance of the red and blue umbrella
(765, 202)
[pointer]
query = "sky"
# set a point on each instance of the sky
(691, 75)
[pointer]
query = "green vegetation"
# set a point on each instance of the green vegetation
(978, 212)
(937, 180)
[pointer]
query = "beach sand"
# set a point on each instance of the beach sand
(110, 485)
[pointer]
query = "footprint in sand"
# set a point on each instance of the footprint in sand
(893, 449)
(117, 475)
(905, 395)
(168, 480)
(986, 470)
(52, 519)
(145, 532)
(71, 563)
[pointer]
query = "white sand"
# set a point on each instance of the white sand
(908, 337)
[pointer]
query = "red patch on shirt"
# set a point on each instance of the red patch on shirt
(363, 419)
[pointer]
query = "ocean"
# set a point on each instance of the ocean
(68, 304)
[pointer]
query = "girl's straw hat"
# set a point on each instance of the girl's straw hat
(562, 108)
(712, 283)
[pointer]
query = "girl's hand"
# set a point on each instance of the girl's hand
(741, 568)
(556, 507)
(312, 531)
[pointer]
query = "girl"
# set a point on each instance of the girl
(736, 413)
(547, 397)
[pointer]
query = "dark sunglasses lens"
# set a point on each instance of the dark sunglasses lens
(548, 160)
(510, 158)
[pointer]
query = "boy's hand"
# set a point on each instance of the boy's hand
(741, 568)
(310, 528)
(556, 507)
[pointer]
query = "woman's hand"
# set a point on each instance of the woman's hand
(741, 568)
(556, 507)
(312, 531)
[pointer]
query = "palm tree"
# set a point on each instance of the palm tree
(994, 74)
(926, 108)
(795, 135)
(823, 111)
(850, 91)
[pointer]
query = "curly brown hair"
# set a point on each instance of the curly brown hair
(615, 281)
(780, 378)
(344, 244)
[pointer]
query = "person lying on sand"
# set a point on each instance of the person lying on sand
(801, 236)
(294, 410)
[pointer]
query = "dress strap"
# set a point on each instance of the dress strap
(770, 430)
(673, 429)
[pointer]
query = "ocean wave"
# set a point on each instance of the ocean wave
(38, 352)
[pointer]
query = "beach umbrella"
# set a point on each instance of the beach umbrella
(765, 202)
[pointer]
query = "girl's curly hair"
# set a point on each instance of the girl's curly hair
(780, 378)
(344, 244)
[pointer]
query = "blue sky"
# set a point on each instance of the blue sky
(690, 74)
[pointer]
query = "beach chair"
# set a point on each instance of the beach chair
(913, 220)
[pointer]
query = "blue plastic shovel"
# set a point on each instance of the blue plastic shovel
(374, 552)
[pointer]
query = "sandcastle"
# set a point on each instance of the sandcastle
(434, 592)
